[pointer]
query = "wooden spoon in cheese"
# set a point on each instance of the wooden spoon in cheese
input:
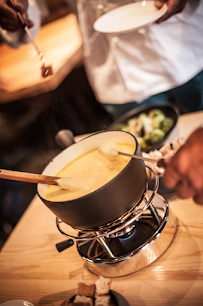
(69, 183)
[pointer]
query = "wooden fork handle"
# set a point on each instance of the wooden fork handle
(28, 177)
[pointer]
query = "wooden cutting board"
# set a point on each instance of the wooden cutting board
(20, 69)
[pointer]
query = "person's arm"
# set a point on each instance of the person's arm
(8, 17)
(11, 30)
(174, 7)
(184, 170)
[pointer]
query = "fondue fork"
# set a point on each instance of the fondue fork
(151, 160)
(69, 183)
(28, 177)
(160, 162)
(109, 149)
(46, 70)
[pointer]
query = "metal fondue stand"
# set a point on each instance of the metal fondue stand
(129, 243)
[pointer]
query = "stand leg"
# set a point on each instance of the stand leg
(153, 211)
(105, 247)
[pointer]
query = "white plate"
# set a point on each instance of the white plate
(17, 303)
(129, 17)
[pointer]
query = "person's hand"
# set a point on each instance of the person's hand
(8, 16)
(184, 170)
(174, 7)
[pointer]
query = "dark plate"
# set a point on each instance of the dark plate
(116, 298)
(168, 109)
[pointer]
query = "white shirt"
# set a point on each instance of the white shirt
(133, 66)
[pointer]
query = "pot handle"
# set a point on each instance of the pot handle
(63, 245)
(64, 139)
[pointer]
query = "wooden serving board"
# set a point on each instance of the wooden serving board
(20, 69)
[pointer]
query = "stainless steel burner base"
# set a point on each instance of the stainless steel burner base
(142, 255)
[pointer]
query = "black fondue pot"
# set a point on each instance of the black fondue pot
(107, 203)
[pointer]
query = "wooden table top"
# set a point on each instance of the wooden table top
(20, 69)
(31, 268)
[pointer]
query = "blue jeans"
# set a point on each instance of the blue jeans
(189, 97)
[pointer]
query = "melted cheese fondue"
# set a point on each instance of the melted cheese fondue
(98, 170)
